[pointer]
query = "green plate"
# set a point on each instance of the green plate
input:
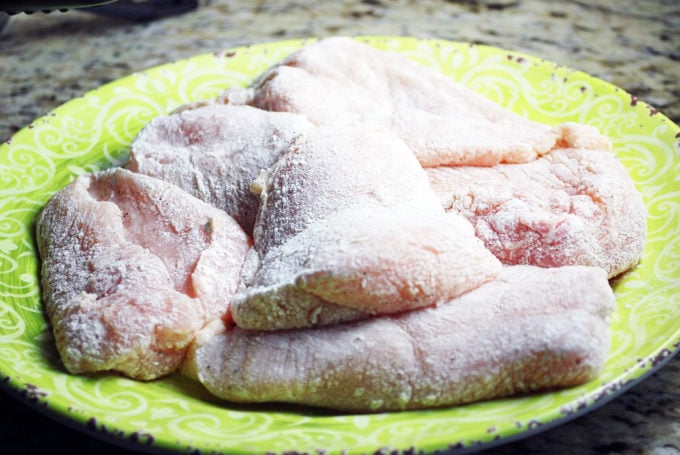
(94, 131)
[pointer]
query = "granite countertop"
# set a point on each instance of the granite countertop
(47, 59)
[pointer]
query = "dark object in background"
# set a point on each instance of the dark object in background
(126, 9)
(31, 6)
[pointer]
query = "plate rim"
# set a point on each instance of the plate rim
(672, 346)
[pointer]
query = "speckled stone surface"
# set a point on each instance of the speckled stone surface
(46, 60)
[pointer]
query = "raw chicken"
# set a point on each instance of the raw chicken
(570, 207)
(340, 81)
(141, 277)
(349, 227)
(528, 330)
(215, 152)
(361, 262)
(132, 268)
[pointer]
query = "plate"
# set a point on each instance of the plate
(94, 131)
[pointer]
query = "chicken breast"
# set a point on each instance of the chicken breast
(340, 81)
(349, 227)
(530, 329)
(215, 151)
(570, 207)
(132, 268)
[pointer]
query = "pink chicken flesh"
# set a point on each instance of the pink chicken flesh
(528, 330)
(570, 207)
(349, 227)
(215, 152)
(340, 81)
(132, 268)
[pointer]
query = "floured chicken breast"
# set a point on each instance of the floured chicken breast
(530, 329)
(132, 268)
(370, 284)
(570, 207)
(339, 81)
(349, 227)
(215, 152)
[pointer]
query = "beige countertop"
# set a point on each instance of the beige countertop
(47, 59)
